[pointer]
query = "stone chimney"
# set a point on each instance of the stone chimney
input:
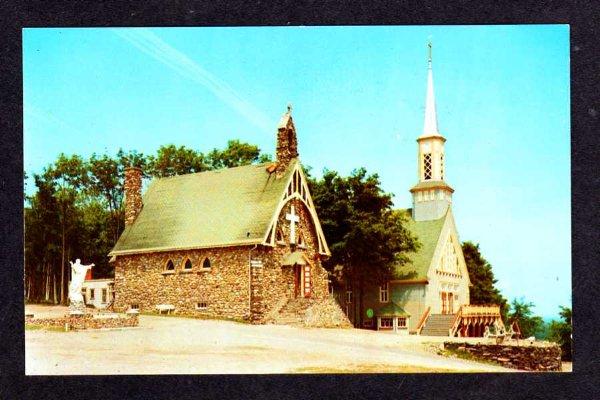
(287, 145)
(133, 194)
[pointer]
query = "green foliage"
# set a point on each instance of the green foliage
(171, 160)
(364, 235)
(483, 290)
(561, 332)
(236, 154)
(521, 311)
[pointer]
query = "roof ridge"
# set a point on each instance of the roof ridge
(219, 170)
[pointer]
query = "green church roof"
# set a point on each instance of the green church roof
(428, 234)
(225, 207)
(392, 310)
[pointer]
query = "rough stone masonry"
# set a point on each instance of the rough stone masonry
(524, 357)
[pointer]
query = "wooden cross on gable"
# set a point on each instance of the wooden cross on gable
(293, 218)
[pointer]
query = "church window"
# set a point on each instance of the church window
(134, 307)
(301, 242)
(427, 167)
(384, 293)
(442, 166)
(170, 266)
(201, 305)
(279, 236)
(187, 264)
(206, 264)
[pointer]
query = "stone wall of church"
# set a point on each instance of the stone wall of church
(268, 292)
(223, 290)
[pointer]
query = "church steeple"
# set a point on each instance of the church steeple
(430, 126)
(431, 195)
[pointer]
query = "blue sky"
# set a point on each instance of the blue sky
(358, 96)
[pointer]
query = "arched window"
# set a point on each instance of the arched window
(301, 241)
(187, 264)
(170, 266)
(206, 264)
(279, 236)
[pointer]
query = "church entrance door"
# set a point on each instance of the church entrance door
(302, 286)
(297, 280)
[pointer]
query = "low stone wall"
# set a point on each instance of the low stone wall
(87, 321)
(540, 357)
(326, 313)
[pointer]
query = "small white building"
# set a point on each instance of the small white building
(393, 318)
(98, 292)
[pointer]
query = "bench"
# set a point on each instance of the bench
(165, 307)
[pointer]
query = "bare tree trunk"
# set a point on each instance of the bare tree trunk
(54, 289)
(47, 284)
(62, 266)
(360, 303)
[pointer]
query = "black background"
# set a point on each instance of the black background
(584, 20)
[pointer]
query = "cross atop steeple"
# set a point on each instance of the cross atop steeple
(429, 59)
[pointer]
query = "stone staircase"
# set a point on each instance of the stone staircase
(292, 313)
(438, 325)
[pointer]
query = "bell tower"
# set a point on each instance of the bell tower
(431, 195)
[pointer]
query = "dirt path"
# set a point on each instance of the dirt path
(169, 345)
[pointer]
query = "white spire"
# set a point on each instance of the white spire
(430, 127)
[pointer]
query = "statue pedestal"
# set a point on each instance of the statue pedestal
(77, 308)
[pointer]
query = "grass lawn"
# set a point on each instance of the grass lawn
(35, 327)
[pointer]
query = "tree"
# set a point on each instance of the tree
(365, 235)
(69, 175)
(236, 154)
(106, 181)
(42, 238)
(483, 290)
(171, 160)
(522, 312)
(561, 332)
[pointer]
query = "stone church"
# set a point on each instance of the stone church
(241, 243)
(430, 294)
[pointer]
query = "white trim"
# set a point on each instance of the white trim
(322, 244)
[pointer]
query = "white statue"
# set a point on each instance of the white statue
(78, 272)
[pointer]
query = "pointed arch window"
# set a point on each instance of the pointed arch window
(427, 167)
(187, 265)
(169, 267)
(301, 241)
(206, 263)
(279, 236)
(442, 166)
